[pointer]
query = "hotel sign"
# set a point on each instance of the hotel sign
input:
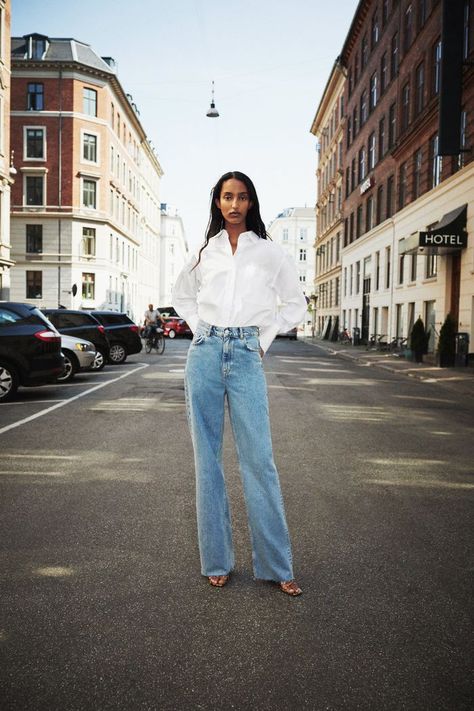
(440, 239)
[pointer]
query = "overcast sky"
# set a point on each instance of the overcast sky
(270, 60)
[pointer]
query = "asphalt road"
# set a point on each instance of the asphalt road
(102, 603)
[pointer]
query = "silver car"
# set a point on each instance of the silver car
(78, 355)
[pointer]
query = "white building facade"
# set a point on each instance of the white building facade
(173, 252)
(294, 229)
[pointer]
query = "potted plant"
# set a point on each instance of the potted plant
(447, 342)
(419, 339)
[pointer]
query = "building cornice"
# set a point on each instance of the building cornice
(336, 77)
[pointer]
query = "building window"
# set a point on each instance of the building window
(414, 261)
(349, 132)
(35, 148)
(302, 255)
(466, 28)
(362, 164)
(363, 108)
(388, 267)
(422, 13)
(303, 234)
(34, 190)
(89, 147)
(353, 174)
(351, 279)
(463, 145)
(436, 162)
(369, 214)
(436, 68)
(382, 137)
(417, 163)
(89, 101)
(431, 266)
(394, 56)
(372, 151)
(354, 122)
(408, 28)
(88, 241)
(364, 52)
(34, 239)
(88, 285)
(390, 191)
(402, 186)
(380, 199)
(377, 271)
(384, 12)
(405, 106)
(401, 268)
(285, 235)
(375, 30)
(89, 193)
(419, 88)
(373, 91)
(383, 73)
(34, 285)
(359, 222)
(35, 97)
(392, 125)
(357, 278)
(37, 48)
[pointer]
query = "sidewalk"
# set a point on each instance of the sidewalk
(462, 378)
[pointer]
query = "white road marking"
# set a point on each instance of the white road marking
(41, 456)
(29, 402)
(71, 399)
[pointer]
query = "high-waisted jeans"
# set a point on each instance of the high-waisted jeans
(225, 363)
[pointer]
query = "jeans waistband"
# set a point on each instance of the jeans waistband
(227, 331)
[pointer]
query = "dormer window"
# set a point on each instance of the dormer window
(36, 46)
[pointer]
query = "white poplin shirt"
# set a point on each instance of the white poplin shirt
(256, 286)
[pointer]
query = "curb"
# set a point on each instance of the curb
(407, 372)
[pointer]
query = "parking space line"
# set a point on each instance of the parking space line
(28, 402)
(71, 399)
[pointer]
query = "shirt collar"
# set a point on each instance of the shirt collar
(250, 235)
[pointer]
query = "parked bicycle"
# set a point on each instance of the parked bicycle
(155, 340)
(344, 336)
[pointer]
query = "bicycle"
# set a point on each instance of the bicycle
(155, 340)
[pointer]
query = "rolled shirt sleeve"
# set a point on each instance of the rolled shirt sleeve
(294, 306)
(185, 290)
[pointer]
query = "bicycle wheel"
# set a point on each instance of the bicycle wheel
(160, 344)
(148, 346)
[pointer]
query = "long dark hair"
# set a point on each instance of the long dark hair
(253, 220)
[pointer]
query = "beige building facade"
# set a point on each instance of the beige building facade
(328, 127)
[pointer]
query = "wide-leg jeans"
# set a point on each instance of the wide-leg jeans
(225, 364)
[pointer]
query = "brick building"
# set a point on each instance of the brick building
(398, 185)
(5, 174)
(85, 204)
(328, 127)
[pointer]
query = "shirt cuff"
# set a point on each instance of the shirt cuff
(267, 335)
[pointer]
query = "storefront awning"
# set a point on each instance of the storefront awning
(447, 236)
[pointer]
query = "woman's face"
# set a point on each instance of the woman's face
(234, 202)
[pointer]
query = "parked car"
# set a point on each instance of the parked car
(30, 348)
(175, 326)
(122, 332)
(168, 311)
(78, 355)
(292, 334)
(81, 324)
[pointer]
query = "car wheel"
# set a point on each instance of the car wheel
(71, 366)
(171, 333)
(98, 362)
(8, 382)
(117, 354)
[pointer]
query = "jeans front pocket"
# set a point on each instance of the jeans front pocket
(252, 343)
(198, 338)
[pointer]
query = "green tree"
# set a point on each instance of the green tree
(447, 342)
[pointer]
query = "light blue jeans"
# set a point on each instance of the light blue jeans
(225, 363)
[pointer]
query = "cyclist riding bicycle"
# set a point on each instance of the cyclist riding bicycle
(153, 320)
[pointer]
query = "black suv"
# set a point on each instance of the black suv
(82, 325)
(122, 333)
(30, 348)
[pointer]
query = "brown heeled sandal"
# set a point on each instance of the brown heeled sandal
(290, 587)
(218, 581)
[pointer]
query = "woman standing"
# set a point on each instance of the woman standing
(228, 295)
